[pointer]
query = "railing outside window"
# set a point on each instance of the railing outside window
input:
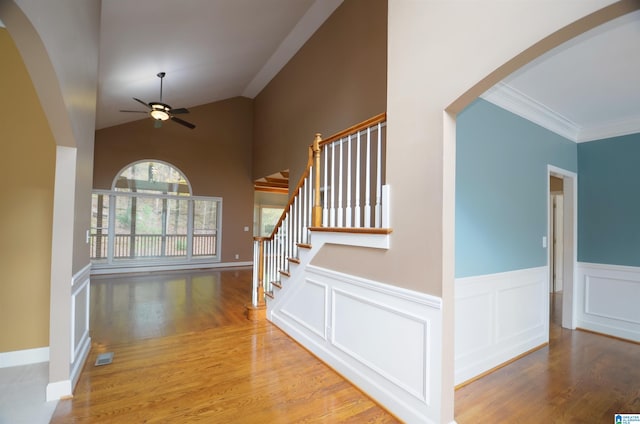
(149, 227)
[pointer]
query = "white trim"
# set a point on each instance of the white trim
(610, 129)
(81, 358)
(80, 286)
(18, 358)
(131, 268)
(375, 241)
(570, 240)
(514, 101)
(498, 317)
(80, 283)
(607, 297)
(59, 390)
(385, 339)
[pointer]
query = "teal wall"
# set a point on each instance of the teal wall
(609, 201)
(502, 189)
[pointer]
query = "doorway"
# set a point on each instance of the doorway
(562, 245)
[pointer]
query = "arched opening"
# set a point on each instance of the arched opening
(485, 334)
(150, 218)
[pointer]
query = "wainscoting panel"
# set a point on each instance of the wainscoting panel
(498, 317)
(308, 307)
(80, 340)
(395, 331)
(382, 338)
(608, 298)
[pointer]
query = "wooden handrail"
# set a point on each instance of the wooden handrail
(356, 128)
(310, 161)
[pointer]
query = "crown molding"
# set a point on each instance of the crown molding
(508, 98)
(516, 102)
(610, 129)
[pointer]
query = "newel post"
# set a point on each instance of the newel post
(260, 288)
(257, 309)
(316, 219)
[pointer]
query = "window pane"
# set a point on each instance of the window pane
(99, 227)
(177, 214)
(205, 223)
(152, 177)
(122, 237)
(146, 212)
(268, 219)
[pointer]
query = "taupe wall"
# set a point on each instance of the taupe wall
(28, 161)
(215, 157)
(336, 80)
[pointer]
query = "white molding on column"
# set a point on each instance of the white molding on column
(59, 390)
(80, 304)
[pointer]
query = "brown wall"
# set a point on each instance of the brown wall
(27, 161)
(215, 157)
(336, 80)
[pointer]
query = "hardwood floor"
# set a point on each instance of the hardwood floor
(579, 377)
(184, 352)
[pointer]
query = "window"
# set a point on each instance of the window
(150, 215)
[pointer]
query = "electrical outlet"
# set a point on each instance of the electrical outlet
(237, 256)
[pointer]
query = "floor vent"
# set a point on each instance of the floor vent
(104, 359)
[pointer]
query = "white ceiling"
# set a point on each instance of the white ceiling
(211, 50)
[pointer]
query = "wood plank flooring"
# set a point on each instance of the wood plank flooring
(579, 377)
(184, 352)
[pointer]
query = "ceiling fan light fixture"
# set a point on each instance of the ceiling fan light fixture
(159, 111)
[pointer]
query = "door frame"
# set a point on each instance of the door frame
(570, 237)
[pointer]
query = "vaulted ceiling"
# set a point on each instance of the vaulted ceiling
(210, 50)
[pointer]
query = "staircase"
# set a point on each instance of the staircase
(381, 337)
(340, 197)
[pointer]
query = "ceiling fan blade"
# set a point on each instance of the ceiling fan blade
(141, 102)
(135, 111)
(182, 122)
(178, 111)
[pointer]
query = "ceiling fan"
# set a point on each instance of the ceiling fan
(160, 112)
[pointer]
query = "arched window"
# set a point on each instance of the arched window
(152, 177)
(150, 216)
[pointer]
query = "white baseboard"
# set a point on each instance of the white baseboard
(24, 357)
(498, 317)
(384, 339)
(131, 268)
(608, 299)
(59, 390)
